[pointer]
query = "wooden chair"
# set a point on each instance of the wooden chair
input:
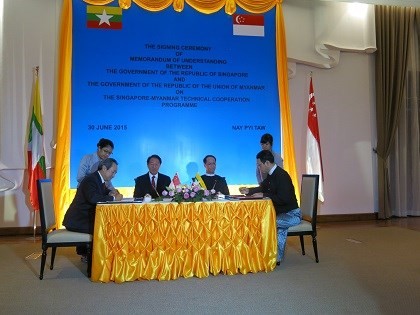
(309, 208)
(52, 237)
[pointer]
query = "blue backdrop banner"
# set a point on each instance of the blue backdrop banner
(180, 85)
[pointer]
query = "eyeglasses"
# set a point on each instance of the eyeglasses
(106, 151)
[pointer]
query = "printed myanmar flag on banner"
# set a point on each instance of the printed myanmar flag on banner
(36, 155)
(104, 17)
(248, 25)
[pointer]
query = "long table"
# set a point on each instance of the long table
(164, 241)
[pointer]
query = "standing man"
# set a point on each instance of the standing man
(80, 216)
(266, 143)
(153, 182)
(212, 180)
(279, 188)
(89, 162)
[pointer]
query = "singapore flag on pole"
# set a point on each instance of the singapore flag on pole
(313, 144)
(248, 25)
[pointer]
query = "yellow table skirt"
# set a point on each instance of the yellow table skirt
(166, 241)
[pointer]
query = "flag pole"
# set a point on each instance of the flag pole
(34, 221)
(36, 70)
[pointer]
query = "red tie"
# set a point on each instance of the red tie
(153, 182)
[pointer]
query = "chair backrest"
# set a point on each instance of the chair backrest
(309, 198)
(46, 205)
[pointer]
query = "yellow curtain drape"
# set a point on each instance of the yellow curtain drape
(61, 174)
(203, 6)
(62, 194)
(286, 116)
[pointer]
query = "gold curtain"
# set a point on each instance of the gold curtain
(61, 174)
(286, 116)
(61, 181)
(203, 6)
(392, 39)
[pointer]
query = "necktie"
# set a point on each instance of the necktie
(153, 182)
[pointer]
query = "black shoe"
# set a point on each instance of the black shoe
(84, 259)
(278, 263)
(81, 250)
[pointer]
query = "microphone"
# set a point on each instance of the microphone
(215, 181)
(156, 190)
(154, 183)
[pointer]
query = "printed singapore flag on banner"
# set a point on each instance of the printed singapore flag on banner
(248, 25)
(36, 155)
(313, 144)
(104, 17)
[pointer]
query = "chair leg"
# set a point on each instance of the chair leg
(302, 244)
(89, 258)
(43, 259)
(54, 249)
(315, 247)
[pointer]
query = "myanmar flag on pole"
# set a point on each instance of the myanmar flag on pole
(36, 155)
(313, 144)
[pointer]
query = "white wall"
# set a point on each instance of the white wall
(344, 92)
(28, 38)
(344, 96)
(345, 101)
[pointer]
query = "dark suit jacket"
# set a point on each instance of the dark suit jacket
(216, 181)
(143, 185)
(279, 188)
(80, 216)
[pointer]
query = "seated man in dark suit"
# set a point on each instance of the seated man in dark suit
(80, 216)
(153, 182)
(212, 180)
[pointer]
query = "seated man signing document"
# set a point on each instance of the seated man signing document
(81, 214)
(279, 188)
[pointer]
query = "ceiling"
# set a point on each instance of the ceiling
(312, 3)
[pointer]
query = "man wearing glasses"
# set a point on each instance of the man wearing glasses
(80, 216)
